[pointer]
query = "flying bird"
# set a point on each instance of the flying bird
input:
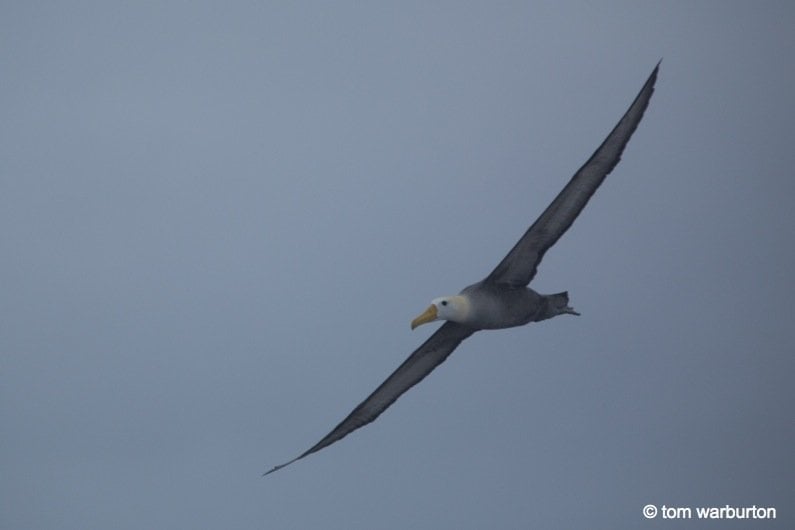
(502, 299)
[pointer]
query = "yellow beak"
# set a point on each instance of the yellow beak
(428, 316)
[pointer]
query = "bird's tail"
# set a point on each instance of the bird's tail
(558, 304)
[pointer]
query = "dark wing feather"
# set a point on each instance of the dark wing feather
(419, 364)
(521, 263)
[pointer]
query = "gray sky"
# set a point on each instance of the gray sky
(217, 221)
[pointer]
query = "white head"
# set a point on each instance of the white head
(453, 308)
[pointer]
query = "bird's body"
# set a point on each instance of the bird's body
(502, 299)
(499, 306)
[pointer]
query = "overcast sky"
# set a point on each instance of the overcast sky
(218, 219)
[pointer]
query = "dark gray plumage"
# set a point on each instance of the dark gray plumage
(502, 299)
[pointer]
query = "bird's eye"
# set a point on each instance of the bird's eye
(444, 302)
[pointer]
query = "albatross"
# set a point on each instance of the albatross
(502, 299)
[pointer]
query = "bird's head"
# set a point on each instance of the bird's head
(453, 308)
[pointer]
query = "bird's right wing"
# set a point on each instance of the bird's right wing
(431, 354)
(520, 265)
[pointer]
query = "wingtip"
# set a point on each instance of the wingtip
(277, 468)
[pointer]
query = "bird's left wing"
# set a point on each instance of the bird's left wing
(431, 354)
(519, 266)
